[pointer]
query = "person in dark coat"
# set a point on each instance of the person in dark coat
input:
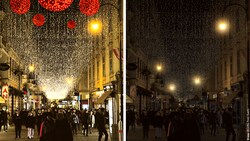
(85, 122)
(191, 130)
(18, 124)
(31, 124)
(46, 130)
(158, 123)
(24, 115)
(62, 129)
(5, 120)
(228, 124)
(39, 120)
(1, 119)
(145, 123)
(100, 123)
(213, 122)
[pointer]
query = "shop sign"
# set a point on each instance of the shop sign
(5, 91)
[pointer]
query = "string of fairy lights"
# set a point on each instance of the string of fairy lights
(60, 54)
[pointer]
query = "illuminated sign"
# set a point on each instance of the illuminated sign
(5, 91)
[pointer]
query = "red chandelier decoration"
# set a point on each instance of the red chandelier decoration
(38, 19)
(20, 6)
(89, 7)
(71, 24)
(55, 5)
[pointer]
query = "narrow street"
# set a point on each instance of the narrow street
(10, 135)
(136, 135)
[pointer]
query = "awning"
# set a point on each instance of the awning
(129, 99)
(103, 97)
(228, 99)
(2, 100)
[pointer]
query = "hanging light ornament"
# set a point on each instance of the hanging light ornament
(55, 5)
(20, 6)
(71, 24)
(89, 7)
(38, 19)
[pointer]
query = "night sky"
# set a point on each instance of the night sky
(189, 40)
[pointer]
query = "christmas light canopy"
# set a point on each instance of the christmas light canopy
(38, 19)
(89, 7)
(55, 5)
(71, 24)
(20, 6)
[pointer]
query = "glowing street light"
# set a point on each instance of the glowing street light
(197, 80)
(172, 87)
(95, 26)
(222, 26)
(158, 67)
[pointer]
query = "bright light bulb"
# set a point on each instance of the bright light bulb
(95, 26)
(222, 26)
(159, 67)
(172, 87)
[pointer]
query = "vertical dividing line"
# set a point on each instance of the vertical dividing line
(123, 7)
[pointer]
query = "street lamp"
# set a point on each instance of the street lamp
(172, 87)
(158, 68)
(222, 26)
(197, 80)
(95, 26)
(226, 28)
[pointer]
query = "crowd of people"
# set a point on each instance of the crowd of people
(182, 123)
(60, 124)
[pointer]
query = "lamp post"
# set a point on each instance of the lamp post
(224, 28)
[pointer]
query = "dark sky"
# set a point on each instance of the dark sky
(190, 43)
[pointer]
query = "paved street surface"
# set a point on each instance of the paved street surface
(10, 135)
(137, 135)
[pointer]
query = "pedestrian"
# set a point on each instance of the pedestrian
(62, 130)
(129, 118)
(5, 120)
(18, 124)
(1, 119)
(100, 123)
(75, 122)
(202, 119)
(31, 125)
(213, 122)
(228, 124)
(158, 123)
(39, 120)
(145, 123)
(46, 131)
(92, 121)
(85, 122)
(191, 131)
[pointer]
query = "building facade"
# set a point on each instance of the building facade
(227, 87)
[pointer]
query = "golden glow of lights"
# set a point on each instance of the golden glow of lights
(31, 68)
(172, 87)
(69, 80)
(222, 26)
(197, 80)
(95, 27)
(158, 67)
